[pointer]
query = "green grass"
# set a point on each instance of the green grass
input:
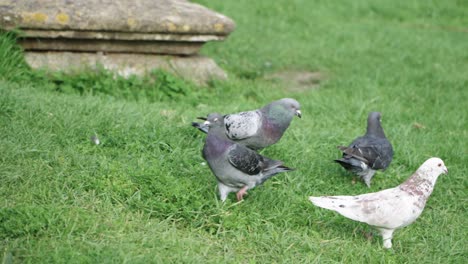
(144, 196)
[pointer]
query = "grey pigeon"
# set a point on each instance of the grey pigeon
(368, 153)
(236, 167)
(389, 209)
(259, 128)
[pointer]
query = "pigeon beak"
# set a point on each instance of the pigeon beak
(445, 170)
(206, 123)
(298, 113)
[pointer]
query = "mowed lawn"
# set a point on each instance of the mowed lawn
(145, 195)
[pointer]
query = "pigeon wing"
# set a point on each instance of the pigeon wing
(246, 160)
(242, 125)
(376, 152)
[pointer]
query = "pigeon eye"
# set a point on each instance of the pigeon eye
(440, 164)
(216, 119)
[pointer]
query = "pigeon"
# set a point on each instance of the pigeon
(389, 209)
(368, 153)
(236, 167)
(259, 128)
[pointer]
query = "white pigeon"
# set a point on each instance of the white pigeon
(389, 209)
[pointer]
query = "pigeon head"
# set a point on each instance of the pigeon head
(434, 167)
(291, 105)
(283, 108)
(214, 120)
(423, 180)
(374, 128)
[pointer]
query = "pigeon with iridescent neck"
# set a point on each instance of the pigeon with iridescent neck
(236, 167)
(389, 209)
(369, 153)
(259, 128)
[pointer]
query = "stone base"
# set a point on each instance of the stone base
(115, 46)
(198, 69)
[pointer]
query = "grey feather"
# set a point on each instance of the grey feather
(259, 128)
(236, 167)
(369, 153)
(389, 209)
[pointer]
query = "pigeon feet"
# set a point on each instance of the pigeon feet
(387, 235)
(224, 190)
(387, 243)
(367, 176)
(240, 194)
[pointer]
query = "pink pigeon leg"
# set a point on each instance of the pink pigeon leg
(240, 194)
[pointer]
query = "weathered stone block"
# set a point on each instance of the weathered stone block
(163, 27)
(196, 68)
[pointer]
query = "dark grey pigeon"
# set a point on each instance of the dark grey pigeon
(259, 128)
(368, 153)
(236, 167)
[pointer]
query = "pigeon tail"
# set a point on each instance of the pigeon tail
(351, 164)
(324, 202)
(344, 205)
(358, 167)
(271, 164)
(272, 172)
